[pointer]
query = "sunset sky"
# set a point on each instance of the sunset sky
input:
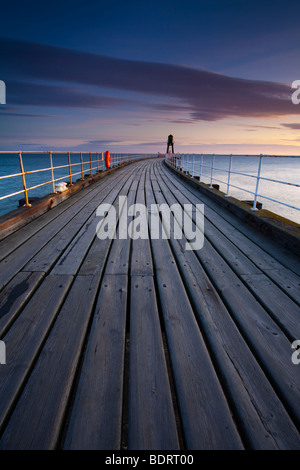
(116, 75)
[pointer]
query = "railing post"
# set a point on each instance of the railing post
(70, 170)
(257, 182)
(91, 171)
(24, 181)
(97, 162)
(200, 169)
(52, 171)
(82, 177)
(212, 170)
(193, 166)
(229, 174)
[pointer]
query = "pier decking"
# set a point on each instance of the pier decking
(141, 344)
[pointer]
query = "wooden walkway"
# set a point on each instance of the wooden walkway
(141, 344)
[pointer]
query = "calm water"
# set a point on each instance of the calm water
(283, 169)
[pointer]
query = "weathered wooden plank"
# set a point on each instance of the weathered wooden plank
(72, 258)
(25, 339)
(151, 416)
(217, 229)
(15, 295)
(249, 243)
(16, 239)
(213, 231)
(115, 284)
(20, 256)
(118, 262)
(206, 418)
(94, 261)
(287, 281)
(51, 252)
(268, 301)
(269, 246)
(37, 419)
(238, 261)
(141, 257)
(285, 312)
(269, 344)
(220, 340)
(99, 394)
(262, 419)
(152, 422)
(50, 421)
(19, 237)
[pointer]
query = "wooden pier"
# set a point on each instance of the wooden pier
(123, 344)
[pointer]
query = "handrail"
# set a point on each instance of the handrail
(184, 163)
(116, 160)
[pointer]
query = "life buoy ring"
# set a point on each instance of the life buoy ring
(107, 159)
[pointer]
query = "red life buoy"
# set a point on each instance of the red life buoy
(107, 159)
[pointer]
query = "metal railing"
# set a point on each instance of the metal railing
(193, 164)
(95, 164)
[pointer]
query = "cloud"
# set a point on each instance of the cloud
(56, 76)
(292, 125)
(32, 94)
(104, 141)
(9, 112)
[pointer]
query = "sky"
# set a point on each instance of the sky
(114, 75)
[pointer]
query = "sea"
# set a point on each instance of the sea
(284, 169)
(276, 168)
(10, 165)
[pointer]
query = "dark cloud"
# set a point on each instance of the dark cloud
(292, 125)
(104, 141)
(182, 121)
(142, 144)
(265, 127)
(27, 115)
(33, 94)
(203, 95)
